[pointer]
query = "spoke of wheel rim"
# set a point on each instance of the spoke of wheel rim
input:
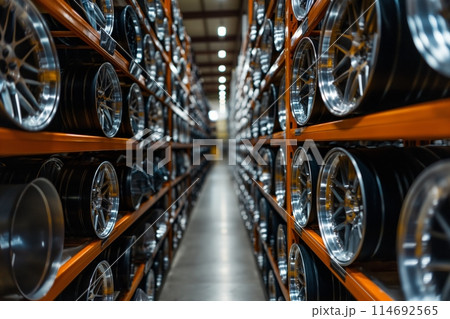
(336, 194)
(27, 66)
(101, 178)
(353, 15)
(109, 120)
(439, 235)
(351, 86)
(10, 93)
(33, 82)
(337, 212)
(339, 185)
(5, 26)
(341, 48)
(20, 41)
(341, 63)
(106, 88)
(342, 77)
(26, 93)
(99, 17)
(27, 55)
(96, 221)
(443, 223)
(438, 266)
(341, 226)
(369, 18)
(102, 218)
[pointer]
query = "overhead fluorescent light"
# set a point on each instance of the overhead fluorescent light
(222, 68)
(222, 80)
(221, 31)
(222, 87)
(222, 54)
(213, 115)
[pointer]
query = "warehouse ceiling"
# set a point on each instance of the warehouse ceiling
(202, 19)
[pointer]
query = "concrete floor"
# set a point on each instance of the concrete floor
(214, 261)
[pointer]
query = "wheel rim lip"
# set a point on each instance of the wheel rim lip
(266, 174)
(281, 247)
(294, 255)
(136, 123)
(51, 65)
(108, 15)
(117, 94)
(330, 94)
(137, 32)
(278, 26)
(301, 216)
(148, 56)
(266, 46)
(423, 32)
(416, 216)
(305, 46)
(301, 8)
(108, 168)
(107, 280)
(280, 177)
(330, 238)
(282, 103)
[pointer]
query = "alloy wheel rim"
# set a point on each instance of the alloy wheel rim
(280, 177)
(136, 109)
(297, 278)
(282, 253)
(101, 284)
(301, 188)
(100, 14)
(278, 26)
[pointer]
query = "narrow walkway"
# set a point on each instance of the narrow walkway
(214, 261)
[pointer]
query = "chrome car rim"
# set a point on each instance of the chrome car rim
(104, 200)
(280, 177)
(266, 170)
(150, 285)
(108, 99)
(297, 277)
(423, 236)
(166, 257)
(260, 11)
(100, 14)
(133, 34)
(341, 206)
(282, 253)
(272, 286)
(430, 26)
(266, 47)
(167, 38)
(155, 116)
(304, 81)
(279, 26)
(256, 68)
(282, 103)
(29, 67)
(159, 20)
(301, 187)
(263, 222)
(301, 8)
(347, 54)
(136, 109)
(101, 284)
(149, 8)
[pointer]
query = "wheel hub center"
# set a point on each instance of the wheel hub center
(351, 206)
(9, 63)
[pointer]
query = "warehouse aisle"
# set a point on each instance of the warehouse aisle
(214, 261)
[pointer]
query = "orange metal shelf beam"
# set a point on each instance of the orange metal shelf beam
(426, 121)
(75, 265)
(138, 275)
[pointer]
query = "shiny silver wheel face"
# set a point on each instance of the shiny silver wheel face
(254, 24)
(282, 253)
(301, 188)
(260, 12)
(160, 76)
(272, 286)
(147, 242)
(100, 14)
(265, 176)
(133, 33)
(263, 222)
(348, 53)
(159, 20)
(282, 103)
(150, 285)
(304, 81)
(424, 235)
(108, 99)
(301, 8)
(149, 57)
(429, 23)
(297, 278)
(29, 67)
(149, 7)
(280, 177)
(167, 39)
(341, 206)
(101, 284)
(279, 26)
(155, 120)
(256, 68)
(136, 109)
(264, 117)
(266, 47)
(104, 200)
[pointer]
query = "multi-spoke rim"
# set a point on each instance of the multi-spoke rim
(266, 46)
(136, 109)
(278, 26)
(424, 235)
(101, 284)
(282, 253)
(428, 22)
(265, 176)
(271, 286)
(304, 81)
(301, 188)
(282, 103)
(100, 14)
(280, 177)
(341, 206)
(104, 199)
(348, 53)
(297, 278)
(159, 20)
(150, 285)
(108, 98)
(29, 67)
(301, 8)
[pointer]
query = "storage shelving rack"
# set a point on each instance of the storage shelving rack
(19, 143)
(423, 122)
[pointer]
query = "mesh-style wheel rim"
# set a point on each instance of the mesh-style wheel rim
(424, 236)
(341, 206)
(266, 170)
(430, 25)
(301, 188)
(136, 109)
(108, 97)
(279, 26)
(133, 33)
(104, 200)
(148, 6)
(271, 286)
(101, 284)
(348, 53)
(150, 285)
(297, 277)
(282, 253)
(159, 20)
(100, 14)
(282, 103)
(301, 8)
(280, 177)
(304, 81)
(29, 67)
(266, 46)
(260, 13)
